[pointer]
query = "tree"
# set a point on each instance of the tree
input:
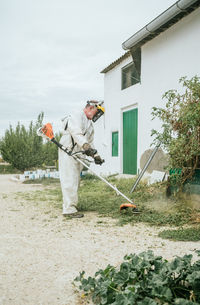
(50, 151)
(23, 148)
(180, 135)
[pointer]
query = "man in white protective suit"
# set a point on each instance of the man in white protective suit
(78, 135)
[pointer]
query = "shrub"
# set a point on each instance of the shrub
(8, 169)
(180, 135)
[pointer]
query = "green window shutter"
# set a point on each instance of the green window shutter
(115, 144)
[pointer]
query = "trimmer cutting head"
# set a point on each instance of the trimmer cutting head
(125, 206)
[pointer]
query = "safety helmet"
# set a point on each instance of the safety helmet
(100, 109)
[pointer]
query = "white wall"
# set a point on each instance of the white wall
(172, 54)
(114, 100)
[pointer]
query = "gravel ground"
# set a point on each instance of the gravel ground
(41, 252)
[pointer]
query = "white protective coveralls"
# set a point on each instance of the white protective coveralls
(81, 129)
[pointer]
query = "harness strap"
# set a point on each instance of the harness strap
(73, 143)
(66, 126)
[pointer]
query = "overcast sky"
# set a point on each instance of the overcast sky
(52, 52)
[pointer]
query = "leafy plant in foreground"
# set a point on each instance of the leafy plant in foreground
(145, 279)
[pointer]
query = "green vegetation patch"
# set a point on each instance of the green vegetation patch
(8, 169)
(145, 279)
(183, 234)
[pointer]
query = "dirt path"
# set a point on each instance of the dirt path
(40, 254)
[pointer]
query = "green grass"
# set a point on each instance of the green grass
(182, 234)
(96, 196)
(8, 169)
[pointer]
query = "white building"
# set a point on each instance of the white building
(157, 56)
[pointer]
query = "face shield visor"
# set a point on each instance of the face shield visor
(99, 107)
(99, 113)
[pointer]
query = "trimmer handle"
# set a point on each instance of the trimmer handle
(91, 152)
(57, 143)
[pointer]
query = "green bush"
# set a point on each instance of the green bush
(180, 135)
(145, 279)
(23, 148)
(8, 169)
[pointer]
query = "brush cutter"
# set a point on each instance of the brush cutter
(47, 132)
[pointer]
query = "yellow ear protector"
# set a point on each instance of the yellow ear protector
(100, 109)
(100, 112)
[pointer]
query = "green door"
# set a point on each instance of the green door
(130, 123)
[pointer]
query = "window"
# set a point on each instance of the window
(130, 76)
(131, 72)
(115, 144)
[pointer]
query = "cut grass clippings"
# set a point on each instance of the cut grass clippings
(50, 197)
(182, 234)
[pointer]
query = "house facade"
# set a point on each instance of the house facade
(156, 58)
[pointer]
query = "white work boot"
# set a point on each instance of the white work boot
(64, 210)
(71, 212)
(74, 215)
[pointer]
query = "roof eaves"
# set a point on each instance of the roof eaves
(116, 62)
(161, 23)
